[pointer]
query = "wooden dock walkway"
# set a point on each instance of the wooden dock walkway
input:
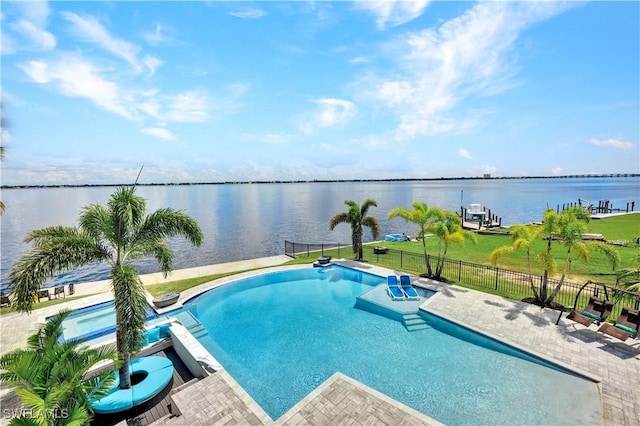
(477, 226)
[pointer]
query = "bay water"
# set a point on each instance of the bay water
(245, 221)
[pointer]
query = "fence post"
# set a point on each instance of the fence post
(400, 259)
(497, 275)
(459, 270)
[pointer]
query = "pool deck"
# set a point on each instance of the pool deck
(341, 400)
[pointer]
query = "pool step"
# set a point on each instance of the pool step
(197, 330)
(414, 322)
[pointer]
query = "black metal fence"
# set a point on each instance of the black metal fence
(512, 283)
(296, 249)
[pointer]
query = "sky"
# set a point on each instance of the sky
(214, 91)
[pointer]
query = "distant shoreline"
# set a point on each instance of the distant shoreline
(90, 185)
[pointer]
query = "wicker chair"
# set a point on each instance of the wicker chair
(596, 311)
(625, 326)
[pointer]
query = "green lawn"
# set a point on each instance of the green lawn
(624, 227)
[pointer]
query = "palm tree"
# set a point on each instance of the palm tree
(117, 233)
(523, 237)
(571, 229)
(567, 228)
(50, 376)
(357, 217)
(447, 228)
(421, 215)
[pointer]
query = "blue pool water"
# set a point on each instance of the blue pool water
(93, 321)
(280, 335)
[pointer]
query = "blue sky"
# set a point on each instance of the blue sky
(240, 91)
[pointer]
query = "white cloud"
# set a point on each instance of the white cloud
(612, 143)
(557, 171)
(333, 112)
(29, 28)
(151, 63)
(393, 12)
(92, 31)
(41, 39)
(160, 133)
(158, 35)
(36, 11)
(187, 107)
(248, 13)
(78, 78)
(464, 153)
(439, 68)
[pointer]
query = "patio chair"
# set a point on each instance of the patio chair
(625, 326)
(44, 293)
(59, 290)
(596, 311)
(72, 289)
(5, 300)
(405, 284)
(394, 290)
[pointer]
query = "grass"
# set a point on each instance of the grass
(624, 227)
(181, 285)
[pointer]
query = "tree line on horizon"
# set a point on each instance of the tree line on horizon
(89, 185)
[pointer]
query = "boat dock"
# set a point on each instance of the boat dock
(477, 218)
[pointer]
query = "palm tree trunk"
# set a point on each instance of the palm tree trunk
(427, 261)
(124, 357)
(543, 287)
(357, 241)
(556, 290)
(533, 287)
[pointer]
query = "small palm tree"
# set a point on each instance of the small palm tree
(523, 237)
(422, 216)
(117, 233)
(447, 228)
(50, 377)
(571, 227)
(357, 217)
(566, 228)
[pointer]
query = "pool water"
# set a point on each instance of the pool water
(280, 335)
(93, 321)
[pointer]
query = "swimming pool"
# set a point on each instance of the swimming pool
(282, 334)
(93, 321)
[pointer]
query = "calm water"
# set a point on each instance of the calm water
(445, 371)
(253, 220)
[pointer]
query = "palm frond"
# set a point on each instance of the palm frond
(47, 260)
(337, 219)
(165, 223)
(96, 222)
(372, 223)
